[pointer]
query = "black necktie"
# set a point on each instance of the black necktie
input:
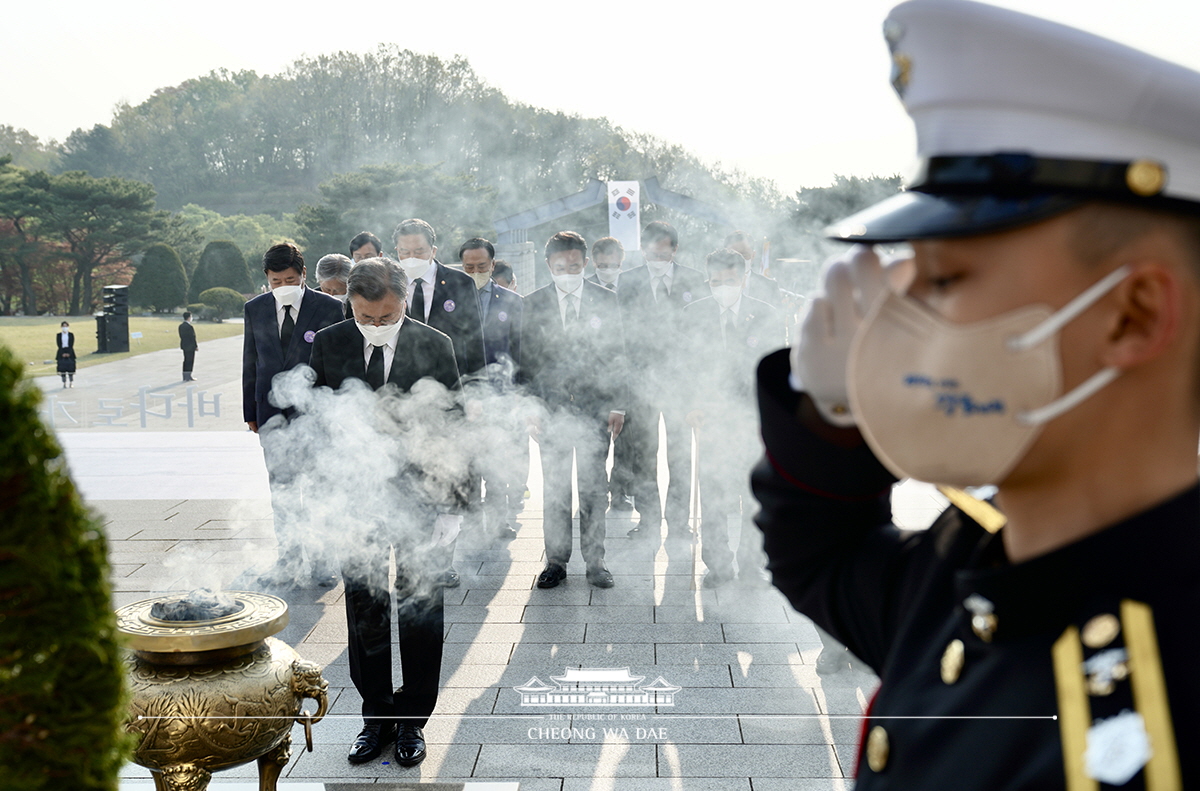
(416, 305)
(285, 332)
(375, 368)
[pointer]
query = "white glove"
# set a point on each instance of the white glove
(850, 285)
(445, 529)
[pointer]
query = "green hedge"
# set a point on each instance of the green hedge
(62, 693)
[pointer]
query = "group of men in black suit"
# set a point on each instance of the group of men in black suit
(574, 364)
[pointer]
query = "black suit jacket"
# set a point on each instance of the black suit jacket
(262, 354)
(721, 365)
(502, 334)
(455, 311)
(421, 351)
(656, 342)
(764, 289)
(581, 367)
(187, 337)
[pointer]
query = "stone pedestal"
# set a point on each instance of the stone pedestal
(520, 256)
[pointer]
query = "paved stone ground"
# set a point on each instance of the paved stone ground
(183, 508)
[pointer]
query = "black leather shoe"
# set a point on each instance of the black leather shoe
(506, 533)
(449, 579)
(370, 743)
(551, 576)
(599, 576)
(410, 745)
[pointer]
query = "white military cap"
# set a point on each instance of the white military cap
(1018, 119)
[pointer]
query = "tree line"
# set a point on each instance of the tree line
(333, 145)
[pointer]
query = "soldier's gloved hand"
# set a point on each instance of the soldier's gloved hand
(850, 284)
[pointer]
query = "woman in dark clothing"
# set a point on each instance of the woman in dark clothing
(66, 355)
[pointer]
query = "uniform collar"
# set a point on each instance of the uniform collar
(1143, 558)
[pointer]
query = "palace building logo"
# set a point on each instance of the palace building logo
(594, 686)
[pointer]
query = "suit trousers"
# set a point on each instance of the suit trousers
(189, 359)
(642, 421)
(620, 480)
(565, 431)
(420, 623)
(284, 467)
(726, 448)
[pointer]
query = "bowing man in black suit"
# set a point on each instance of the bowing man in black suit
(445, 299)
(727, 334)
(381, 345)
(279, 331)
(608, 254)
(504, 458)
(572, 358)
(755, 284)
(652, 301)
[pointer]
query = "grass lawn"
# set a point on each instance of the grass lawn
(32, 338)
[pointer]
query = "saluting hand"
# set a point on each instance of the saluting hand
(850, 286)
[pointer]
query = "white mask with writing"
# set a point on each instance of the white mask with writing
(378, 336)
(960, 404)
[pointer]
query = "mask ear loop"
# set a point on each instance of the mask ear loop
(1050, 327)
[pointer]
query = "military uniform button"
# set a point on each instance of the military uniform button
(952, 661)
(1100, 631)
(878, 749)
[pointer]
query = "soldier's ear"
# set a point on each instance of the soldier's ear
(1147, 315)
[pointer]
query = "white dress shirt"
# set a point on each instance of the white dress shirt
(427, 287)
(279, 313)
(389, 354)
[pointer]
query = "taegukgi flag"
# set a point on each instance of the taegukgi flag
(623, 214)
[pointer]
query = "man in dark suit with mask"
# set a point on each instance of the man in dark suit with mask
(727, 333)
(390, 352)
(446, 300)
(504, 456)
(572, 359)
(652, 301)
(279, 331)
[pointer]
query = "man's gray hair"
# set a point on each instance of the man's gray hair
(334, 266)
(372, 279)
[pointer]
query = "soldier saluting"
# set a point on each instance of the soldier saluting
(1044, 338)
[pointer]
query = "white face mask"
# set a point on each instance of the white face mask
(481, 279)
(287, 295)
(415, 267)
(726, 296)
(379, 336)
(341, 297)
(961, 404)
(567, 282)
(658, 268)
(607, 276)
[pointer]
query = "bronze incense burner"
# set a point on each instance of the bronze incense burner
(216, 692)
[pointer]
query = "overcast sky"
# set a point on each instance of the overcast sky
(792, 90)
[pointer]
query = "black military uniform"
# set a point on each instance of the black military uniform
(955, 631)
(1073, 668)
